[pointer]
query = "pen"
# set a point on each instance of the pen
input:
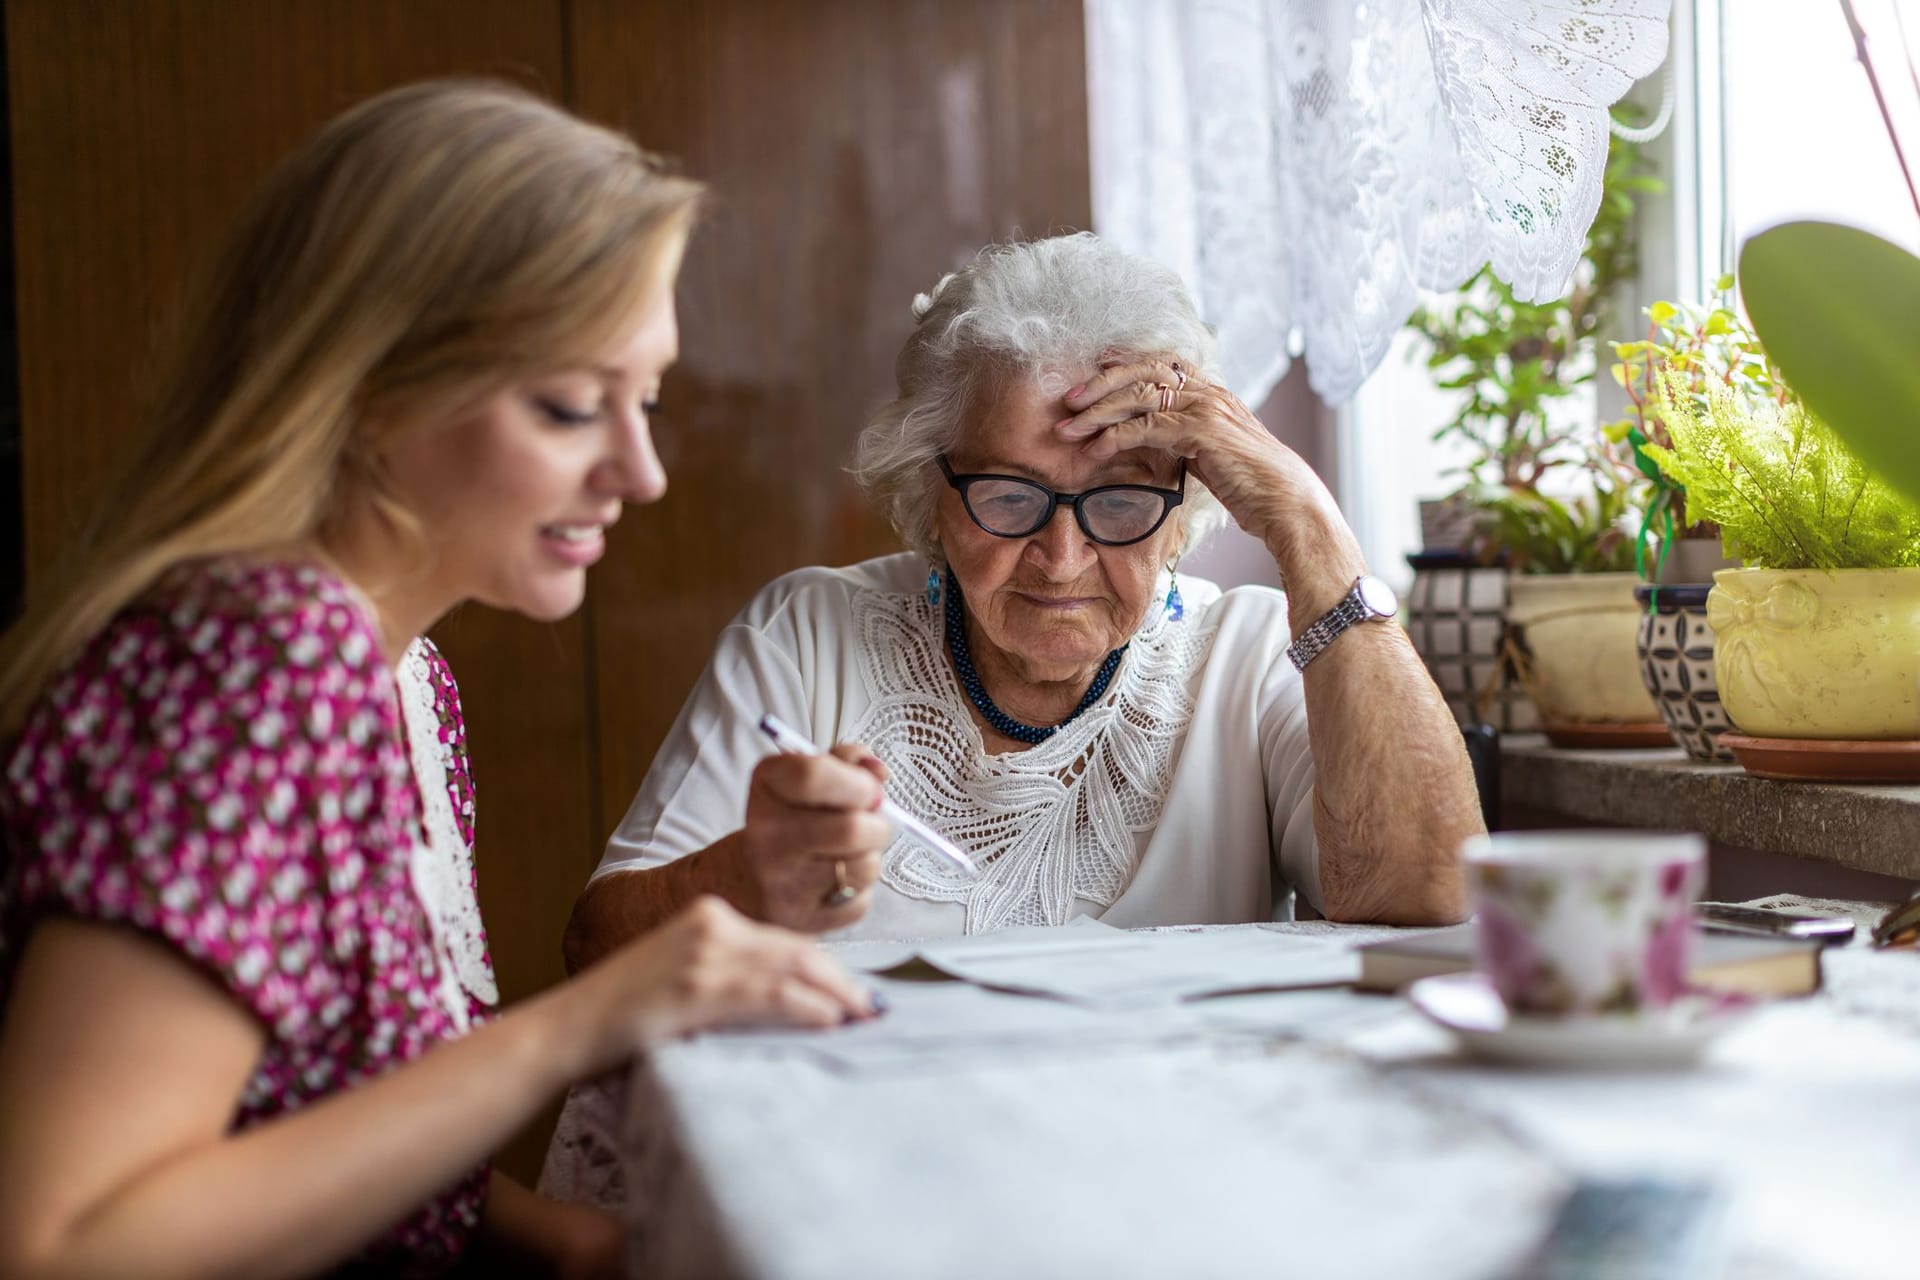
(787, 740)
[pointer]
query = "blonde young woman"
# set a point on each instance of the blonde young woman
(247, 1002)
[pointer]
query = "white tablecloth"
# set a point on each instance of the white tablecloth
(1321, 1133)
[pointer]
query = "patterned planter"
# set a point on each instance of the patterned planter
(1456, 616)
(1676, 662)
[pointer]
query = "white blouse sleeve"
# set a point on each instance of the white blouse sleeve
(696, 790)
(1289, 769)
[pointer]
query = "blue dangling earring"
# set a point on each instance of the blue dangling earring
(1176, 607)
(933, 586)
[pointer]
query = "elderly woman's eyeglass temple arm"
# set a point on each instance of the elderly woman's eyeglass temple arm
(1169, 499)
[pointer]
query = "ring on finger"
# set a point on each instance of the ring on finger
(842, 893)
(1179, 377)
(1166, 395)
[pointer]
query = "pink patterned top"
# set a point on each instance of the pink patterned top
(225, 769)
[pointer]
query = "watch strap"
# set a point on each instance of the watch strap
(1321, 632)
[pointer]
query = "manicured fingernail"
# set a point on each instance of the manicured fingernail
(1064, 421)
(1076, 391)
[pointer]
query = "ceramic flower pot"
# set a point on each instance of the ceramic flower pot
(1676, 664)
(1807, 653)
(1577, 633)
(1694, 561)
(1456, 616)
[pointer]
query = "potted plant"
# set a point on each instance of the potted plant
(1549, 499)
(1571, 617)
(1818, 635)
(1694, 348)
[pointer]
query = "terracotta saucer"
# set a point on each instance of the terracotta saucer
(1824, 760)
(1652, 733)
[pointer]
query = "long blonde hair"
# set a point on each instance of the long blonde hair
(429, 245)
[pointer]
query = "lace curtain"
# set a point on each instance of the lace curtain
(1310, 165)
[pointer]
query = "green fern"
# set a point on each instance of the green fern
(1784, 489)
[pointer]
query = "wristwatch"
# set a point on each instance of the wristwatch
(1370, 600)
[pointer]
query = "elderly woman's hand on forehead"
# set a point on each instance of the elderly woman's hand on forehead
(1157, 402)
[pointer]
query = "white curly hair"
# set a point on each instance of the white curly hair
(1041, 310)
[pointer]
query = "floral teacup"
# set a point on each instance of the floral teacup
(1585, 922)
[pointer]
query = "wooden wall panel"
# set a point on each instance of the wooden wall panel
(856, 149)
(139, 128)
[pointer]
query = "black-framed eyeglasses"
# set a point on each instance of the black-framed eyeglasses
(1114, 515)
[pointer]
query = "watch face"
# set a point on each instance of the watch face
(1378, 597)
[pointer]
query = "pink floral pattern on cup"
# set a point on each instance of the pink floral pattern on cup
(1585, 922)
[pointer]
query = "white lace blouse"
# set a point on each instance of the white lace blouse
(1185, 795)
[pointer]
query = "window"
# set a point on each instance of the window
(1801, 134)
(1773, 120)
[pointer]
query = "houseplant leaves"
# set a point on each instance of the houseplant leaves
(1838, 310)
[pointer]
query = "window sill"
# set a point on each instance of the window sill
(1862, 829)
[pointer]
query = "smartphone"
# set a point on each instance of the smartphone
(1635, 1229)
(1728, 917)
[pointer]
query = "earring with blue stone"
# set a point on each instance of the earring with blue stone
(933, 586)
(1176, 607)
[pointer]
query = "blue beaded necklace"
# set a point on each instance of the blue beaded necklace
(977, 691)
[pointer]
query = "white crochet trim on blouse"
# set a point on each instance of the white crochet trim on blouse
(1050, 824)
(442, 868)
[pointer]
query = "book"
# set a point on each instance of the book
(1747, 964)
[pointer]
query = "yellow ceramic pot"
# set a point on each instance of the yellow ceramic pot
(1582, 632)
(1807, 653)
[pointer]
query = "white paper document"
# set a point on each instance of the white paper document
(958, 1001)
(941, 1024)
(1097, 965)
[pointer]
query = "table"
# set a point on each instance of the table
(1312, 1133)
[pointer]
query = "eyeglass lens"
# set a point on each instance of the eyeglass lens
(1014, 509)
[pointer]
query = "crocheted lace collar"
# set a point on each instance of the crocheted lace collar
(1050, 824)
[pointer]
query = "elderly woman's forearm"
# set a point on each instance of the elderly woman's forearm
(1394, 791)
(1393, 788)
(620, 906)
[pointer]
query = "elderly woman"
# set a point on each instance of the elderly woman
(1104, 736)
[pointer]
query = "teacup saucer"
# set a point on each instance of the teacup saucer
(1466, 1005)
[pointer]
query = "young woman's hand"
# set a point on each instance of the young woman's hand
(710, 966)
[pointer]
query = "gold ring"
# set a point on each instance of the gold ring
(1166, 396)
(1179, 377)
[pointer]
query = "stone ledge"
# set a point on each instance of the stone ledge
(1864, 828)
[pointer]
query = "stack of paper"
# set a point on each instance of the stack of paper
(1108, 967)
(955, 999)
